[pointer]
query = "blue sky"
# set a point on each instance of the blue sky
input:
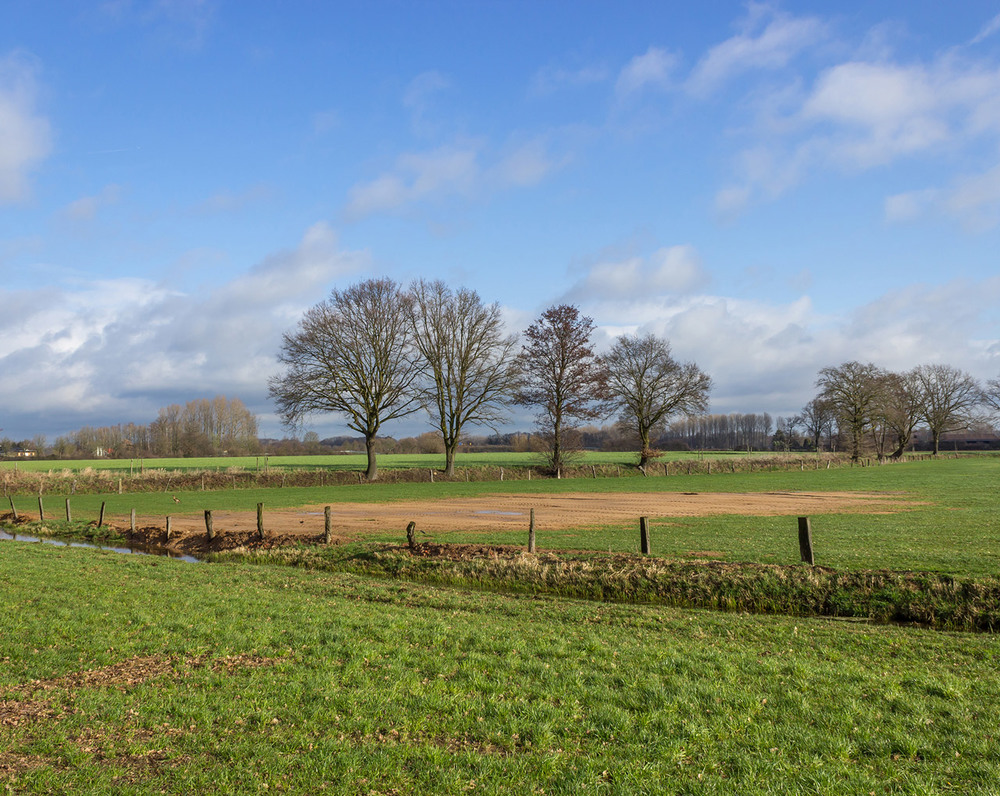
(774, 187)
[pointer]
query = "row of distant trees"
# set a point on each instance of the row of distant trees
(881, 410)
(202, 427)
(376, 352)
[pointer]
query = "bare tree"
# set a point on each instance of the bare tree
(991, 395)
(897, 412)
(561, 376)
(851, 389)
(471, 371)
(351, 354)
(648, 386)
(817, 418)
(948, 398)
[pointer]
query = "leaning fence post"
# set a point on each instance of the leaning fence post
(100, 520)
(41, 510)
(260, 520)
(531, 530)
(12, 509)
(644, 535)
(326, 524)
(805, 541)
(209, 529)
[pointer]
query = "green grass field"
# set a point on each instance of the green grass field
(237, 679)
(354, 461)
(952, 525)
(126, 674)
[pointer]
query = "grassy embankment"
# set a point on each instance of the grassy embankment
(123, 674)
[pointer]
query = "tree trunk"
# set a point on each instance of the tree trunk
(936, 436)
(449, 458)
(556, 446)
(372, 472)
(644, 448)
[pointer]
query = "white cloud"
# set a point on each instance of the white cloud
(25, 136)
(764, 356)
(859, 115)
(652, 69)
(228, 201)
(463, 169)
(972, 200)
(117, 350)
(417, 176)
(86, 208)
(781, 40)
(420, 94)
(987, 30)
(527, 165)
(670, 270)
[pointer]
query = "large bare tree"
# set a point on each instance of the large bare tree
(351, 354)
(948, 398)
(470, 367)
(852, 389)
(647, 386)
(561, 376)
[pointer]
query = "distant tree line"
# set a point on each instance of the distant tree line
(202, 427)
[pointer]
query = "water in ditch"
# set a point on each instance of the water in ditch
(139, 551)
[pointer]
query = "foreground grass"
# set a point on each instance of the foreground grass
(237, 679)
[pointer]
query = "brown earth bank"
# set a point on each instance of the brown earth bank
(354, 521)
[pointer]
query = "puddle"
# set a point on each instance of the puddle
(138, 551)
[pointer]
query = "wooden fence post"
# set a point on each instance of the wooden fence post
(12, 509)
(411, 535)
(41, 510)
(168, 527)
(644, 535)
(69, 514)
(209, 529)
(805, 542)
(131, 520)
(326, 525)
(100, 519)
(260, 520)
(119, 486)
(531, 530)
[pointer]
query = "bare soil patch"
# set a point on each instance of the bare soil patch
(352, 521)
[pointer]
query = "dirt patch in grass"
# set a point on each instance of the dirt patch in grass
(490, 513)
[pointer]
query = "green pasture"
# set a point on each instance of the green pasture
(951, 523)
(356, 461)
(129, 675)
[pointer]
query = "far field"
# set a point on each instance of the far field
(358, 461)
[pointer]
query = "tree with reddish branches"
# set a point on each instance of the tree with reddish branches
(562, 377)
